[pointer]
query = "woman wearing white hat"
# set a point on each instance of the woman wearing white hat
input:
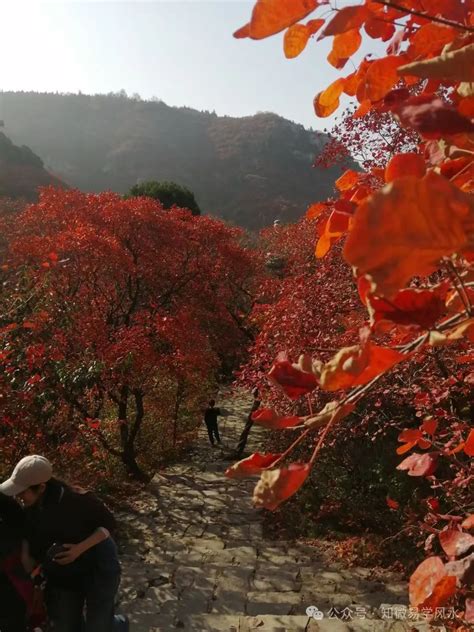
(68, 533)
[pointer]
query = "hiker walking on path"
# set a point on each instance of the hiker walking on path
(68, 534)
(248, 425)
(210, 418)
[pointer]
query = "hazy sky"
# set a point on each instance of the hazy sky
(180, 51)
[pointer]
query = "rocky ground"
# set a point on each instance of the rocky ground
(195, 558)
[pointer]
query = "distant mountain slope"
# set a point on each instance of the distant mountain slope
(248, 170)
(21, 171)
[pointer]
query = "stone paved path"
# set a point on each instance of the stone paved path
(196, 558)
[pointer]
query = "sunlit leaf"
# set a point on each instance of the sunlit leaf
(456, 65)
(270, 419)
(272, 16)
(405, 164)
(327, 101)
(346, 19)
(332, 412)
(456, 543)
(251, 466)
(357, 365)
(419, 464)
(405, 228)
(276, 486)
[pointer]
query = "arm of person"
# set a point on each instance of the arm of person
(76, 550)
(29, 564)
(101, 523)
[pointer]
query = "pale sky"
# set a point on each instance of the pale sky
(180, 51)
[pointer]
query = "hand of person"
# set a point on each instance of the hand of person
(70, 555)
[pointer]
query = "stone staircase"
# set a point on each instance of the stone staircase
(196, 559)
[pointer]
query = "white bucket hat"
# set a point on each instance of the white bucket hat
(31, 470)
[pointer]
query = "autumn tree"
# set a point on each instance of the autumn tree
(405, 226)
(116, 320)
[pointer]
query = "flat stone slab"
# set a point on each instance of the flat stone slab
(195, 558)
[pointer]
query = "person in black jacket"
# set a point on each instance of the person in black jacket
(210, 419)
(12, 604)
(68, 533)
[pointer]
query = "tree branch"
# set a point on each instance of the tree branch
(432, 18)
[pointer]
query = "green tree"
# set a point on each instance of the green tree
(168, 193)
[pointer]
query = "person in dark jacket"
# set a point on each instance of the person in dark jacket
(68, 533)
(210, 418)
(248, 425)
(12, 602)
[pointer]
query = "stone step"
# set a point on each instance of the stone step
(267, 623)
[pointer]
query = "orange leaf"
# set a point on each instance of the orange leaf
(424, 580)
(363, 109)
(292, 380)
(243, 32)
(469, 445)
(466, 107)
(336, 226)
(272, 16)
(376, 28)
(442, 593)
(315, 210)
(405, 228)
(251, 466)
(468, 523)
(357, 365)
(269, 419)
(326, 102)
(455, 543)
(419, 464)
(343, 46)
(429, 40)
(348, 180)
(429, 426)
(380, 78)
(393, 504)
(409, 164)
(408, 307)
(295, 40)
(346, 19)
(332, 412)
(403, 449)
(275, 486)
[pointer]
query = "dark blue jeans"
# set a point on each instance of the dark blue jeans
(90, 608)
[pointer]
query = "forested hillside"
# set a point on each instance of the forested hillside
(21, 171)
(248, 170)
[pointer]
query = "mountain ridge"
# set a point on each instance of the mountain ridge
(249, 170)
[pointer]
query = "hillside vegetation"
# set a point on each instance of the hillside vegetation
(248, 170)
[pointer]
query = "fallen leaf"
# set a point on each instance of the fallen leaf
(393, 504)
(469, 445)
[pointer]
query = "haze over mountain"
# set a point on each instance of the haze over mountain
(21, 171)
(248, 170)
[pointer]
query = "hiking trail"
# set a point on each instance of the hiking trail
(196, 559)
